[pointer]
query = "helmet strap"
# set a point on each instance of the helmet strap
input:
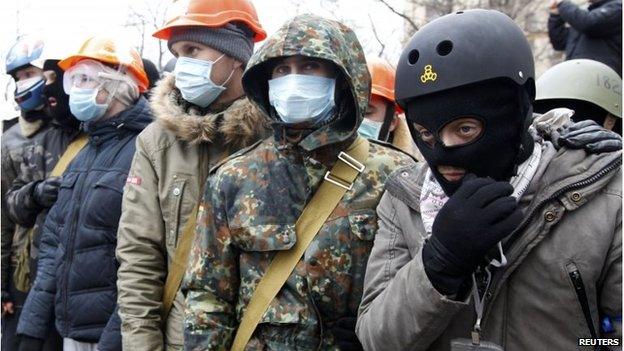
(384, 132)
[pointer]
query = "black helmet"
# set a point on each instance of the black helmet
(463, 48)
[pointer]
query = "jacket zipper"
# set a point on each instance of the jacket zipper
(581, 294)
(70, 246)
(610, 167)
(592, 179)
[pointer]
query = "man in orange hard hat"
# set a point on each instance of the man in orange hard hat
(76, 269)
(384, 120)
(202, 116)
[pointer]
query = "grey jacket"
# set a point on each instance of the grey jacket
(573, 216)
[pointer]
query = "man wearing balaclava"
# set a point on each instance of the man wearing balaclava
(48, 126)
(33, 192)
(153, 75)
(201, 117)
(498, 241)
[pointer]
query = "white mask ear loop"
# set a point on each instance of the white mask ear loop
(222, 85)
(228, 78)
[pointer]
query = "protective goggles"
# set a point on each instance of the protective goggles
(89, 74)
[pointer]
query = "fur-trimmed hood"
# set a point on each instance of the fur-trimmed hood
(240, 124)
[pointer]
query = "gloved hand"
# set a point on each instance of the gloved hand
(474, 219)
(46, 191)
(590, 136)
(344, 334)
(28, 343)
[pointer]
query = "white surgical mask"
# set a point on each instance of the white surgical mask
(83, 105)
(302, 98)
(192, 78)
(370, 129)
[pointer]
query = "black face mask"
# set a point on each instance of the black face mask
(60, 112)
(503, 109)
(33, 116)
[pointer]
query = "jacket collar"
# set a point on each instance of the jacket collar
(238, 125)
(29, 129)
(558, 171)
(132, 119)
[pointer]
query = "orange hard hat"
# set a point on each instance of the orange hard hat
(107, 50)
(214, 13)
(382, 77)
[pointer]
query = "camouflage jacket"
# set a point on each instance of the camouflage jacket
(39, 156)
(252, 201)
(14, 141)
(171, 163)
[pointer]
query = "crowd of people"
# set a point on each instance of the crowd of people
(287, 192)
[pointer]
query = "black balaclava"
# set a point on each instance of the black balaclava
(34, 115)
(152, 75)
(504, 143)
(61, 112)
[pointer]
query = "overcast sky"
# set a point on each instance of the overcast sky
(66, 23)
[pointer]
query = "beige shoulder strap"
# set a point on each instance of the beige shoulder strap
(70, 153)
(21, 276)
(336, 183)
(178, 263)
(177, 268)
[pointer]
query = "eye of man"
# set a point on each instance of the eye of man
(425, 135)
(281, 70)
(311, 66)
(371, 109)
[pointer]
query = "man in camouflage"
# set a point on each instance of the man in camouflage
(172, 160)
(32, 193)
(252, 201)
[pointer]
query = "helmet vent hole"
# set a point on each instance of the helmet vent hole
(460, 12)
(444, 48)
(413, 56)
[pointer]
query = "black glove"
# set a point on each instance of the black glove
(590, 136)
(476, 217)
(28, 343)
(344, 334)
(46, 191)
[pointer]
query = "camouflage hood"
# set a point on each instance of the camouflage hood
(317, 37)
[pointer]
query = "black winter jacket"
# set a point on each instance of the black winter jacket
(77, 269)
(595, 33)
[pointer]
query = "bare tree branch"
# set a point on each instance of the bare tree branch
(406, 18)
(383, 46)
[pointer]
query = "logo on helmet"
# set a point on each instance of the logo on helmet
(428, 75)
